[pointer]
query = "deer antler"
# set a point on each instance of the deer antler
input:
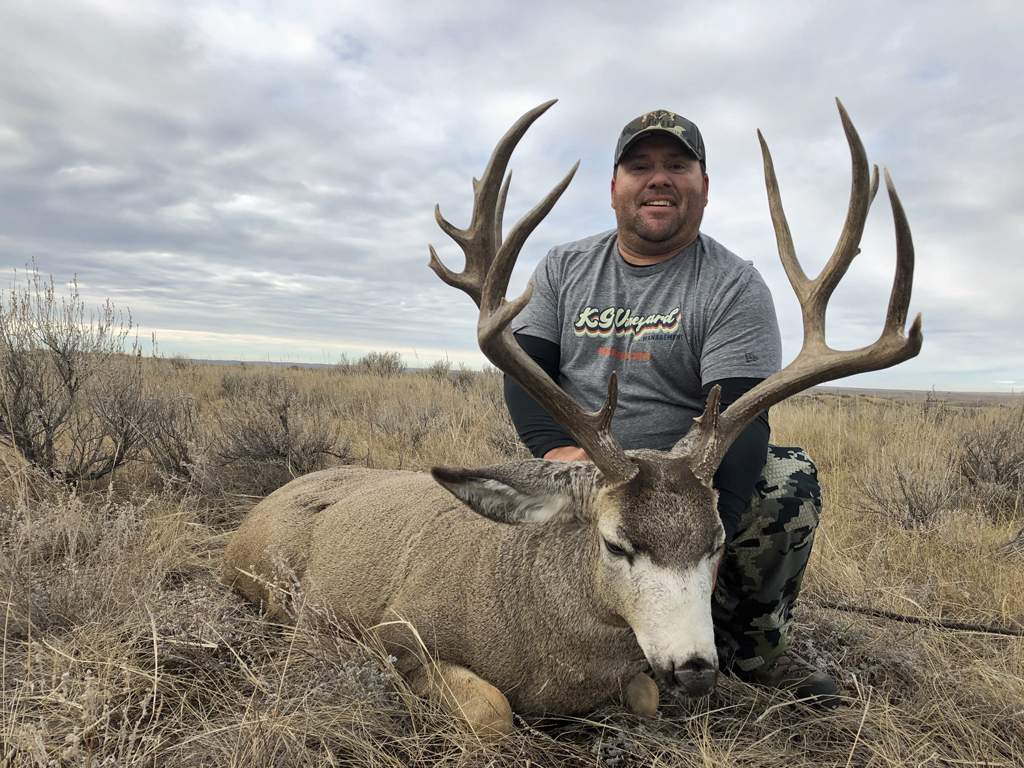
(817, 362)
(489, 264)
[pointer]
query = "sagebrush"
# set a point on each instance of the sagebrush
(71, 381)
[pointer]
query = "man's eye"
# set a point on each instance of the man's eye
(614, 549)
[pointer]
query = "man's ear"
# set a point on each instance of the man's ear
(613, 193)
(524, 491)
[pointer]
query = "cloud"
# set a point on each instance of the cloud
(254, 179)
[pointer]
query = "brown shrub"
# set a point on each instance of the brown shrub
(462, 377)
(913, 500)
(72, 382)
(266, 434)
(990, 460)
(384, 364)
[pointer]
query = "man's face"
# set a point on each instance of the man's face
(658, 193)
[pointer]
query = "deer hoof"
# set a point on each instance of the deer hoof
(642, 696)
(488, 714)
(481, 706)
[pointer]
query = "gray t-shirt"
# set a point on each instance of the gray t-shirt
(703, 315)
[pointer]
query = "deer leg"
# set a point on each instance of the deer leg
(458, 691)
(468, 696)
(641, 696)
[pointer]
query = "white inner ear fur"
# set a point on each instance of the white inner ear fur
(498, 501)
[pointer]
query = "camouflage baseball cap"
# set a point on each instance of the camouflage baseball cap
(661, 121)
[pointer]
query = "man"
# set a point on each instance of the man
(675, 314)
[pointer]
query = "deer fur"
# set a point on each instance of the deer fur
(493, 587)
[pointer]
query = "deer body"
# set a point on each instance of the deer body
(528, 607)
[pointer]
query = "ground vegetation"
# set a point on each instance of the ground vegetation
(121, 649)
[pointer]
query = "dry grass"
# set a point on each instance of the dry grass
(121, 649)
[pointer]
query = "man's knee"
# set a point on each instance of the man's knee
(788, 491)
(787, 498)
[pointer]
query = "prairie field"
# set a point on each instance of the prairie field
(122, 649)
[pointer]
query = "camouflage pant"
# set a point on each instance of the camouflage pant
(763, 567)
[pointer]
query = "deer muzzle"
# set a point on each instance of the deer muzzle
(695, 678)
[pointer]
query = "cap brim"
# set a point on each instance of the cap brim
(643, 133)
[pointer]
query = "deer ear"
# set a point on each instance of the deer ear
(515, 493)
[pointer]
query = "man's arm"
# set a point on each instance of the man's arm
(543, 435)
(536, 427)
(744, 460)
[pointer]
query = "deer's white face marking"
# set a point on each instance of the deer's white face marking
(667, 606)
(671, 615)
(656, 569)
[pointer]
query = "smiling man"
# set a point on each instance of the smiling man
(675, 313)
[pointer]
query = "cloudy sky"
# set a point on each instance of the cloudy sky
(256, 180)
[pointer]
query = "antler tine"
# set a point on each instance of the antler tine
(783, 236)
(814, 294)
(479, 240)
(698, 448)
(863, 187)
(489, 264)
(899, 299)
(501, 268)
(817, 362)
(499, 209)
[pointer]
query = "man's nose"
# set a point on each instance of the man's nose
(660, 178)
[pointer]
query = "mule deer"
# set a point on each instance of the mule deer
(539, 586)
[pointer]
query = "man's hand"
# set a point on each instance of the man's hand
(567, 453)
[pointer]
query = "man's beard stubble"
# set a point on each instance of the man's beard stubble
(647, 240)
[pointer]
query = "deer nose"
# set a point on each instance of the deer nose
(696, 677)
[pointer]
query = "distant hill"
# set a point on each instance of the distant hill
(922, 395)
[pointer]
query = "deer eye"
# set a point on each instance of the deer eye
(614, 549)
